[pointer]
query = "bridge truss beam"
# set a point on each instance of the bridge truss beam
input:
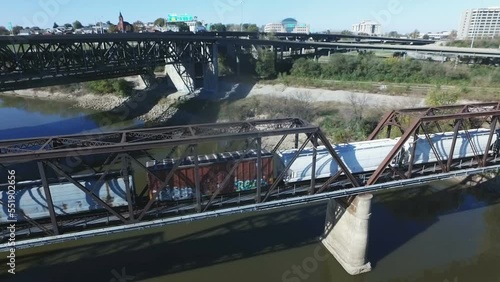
(423, 121)
(30, 63)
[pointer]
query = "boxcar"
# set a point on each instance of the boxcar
(213, 169)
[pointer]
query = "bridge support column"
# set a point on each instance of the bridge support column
(181, 74)
(346, 233)
(211, 71)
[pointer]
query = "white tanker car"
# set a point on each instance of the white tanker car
(360, 158)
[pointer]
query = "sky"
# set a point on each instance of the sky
(403, 16)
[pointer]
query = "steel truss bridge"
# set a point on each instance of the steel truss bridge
(127, 151)
(36, 61)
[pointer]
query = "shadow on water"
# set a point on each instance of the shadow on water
(399, 216)
(152, 255)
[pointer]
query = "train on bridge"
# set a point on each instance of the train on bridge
(215, 173)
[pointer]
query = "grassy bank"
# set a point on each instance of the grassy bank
(119, 87)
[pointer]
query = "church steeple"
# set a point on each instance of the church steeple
(120, 17)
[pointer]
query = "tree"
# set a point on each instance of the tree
(438, 97)
(77, 25)
(183, 27)
(218, 27)
(160, 22)
(112, 28)
(4, 31)
(55, 25)
(415, 34)
(394, 34)
(426, 37)
(17, 29)
(346, 32)
(266, 66)
(68, 25)
(252, 28)
(138, 26)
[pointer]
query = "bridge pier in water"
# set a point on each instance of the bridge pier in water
(346, 233)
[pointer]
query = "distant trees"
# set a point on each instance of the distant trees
(219, 27)
(426, 37)
(4, 31)
(55, 25)
(415, 34)
(77, 25)
(394, 34)
(17, 29)
(438, 97)
(138, 26)
(160, 22)
(252, 28)
(346, 32)
(183, 27)
(68, 25)
(453, 34)
(266, 65)
(112, 28)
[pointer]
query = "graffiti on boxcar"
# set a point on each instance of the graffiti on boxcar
(176, 194)
(247, 185)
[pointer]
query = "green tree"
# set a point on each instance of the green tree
(415, 34)
(4, 31)
(252, 28)
(138, 26)
(346, 32)
(394, 34)
(426, 37)
(77, 25)
(68, 25)
(266, 65)
(16, 29)
(112, 28)
(55, 25)
(183, 27)
(438, 97)
(160, 22)
(218, 27)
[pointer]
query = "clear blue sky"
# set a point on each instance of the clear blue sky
(404, 16)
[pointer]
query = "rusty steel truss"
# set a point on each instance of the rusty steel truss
(422, 121)
(123, 149)
(29, 62)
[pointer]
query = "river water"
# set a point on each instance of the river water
(445, 231)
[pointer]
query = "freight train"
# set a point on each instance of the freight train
(359, 157)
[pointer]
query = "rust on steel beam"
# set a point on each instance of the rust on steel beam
(433, 148)
(329, 182)
(490, 140)
(258, 192)
(88, 192)
(48, 195)
(383, 122)
(458, 123)
(204, 134)
(397, 148)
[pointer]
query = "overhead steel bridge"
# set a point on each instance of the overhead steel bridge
(126, 153)
(36, 61)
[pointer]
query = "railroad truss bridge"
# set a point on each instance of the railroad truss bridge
(90, 185)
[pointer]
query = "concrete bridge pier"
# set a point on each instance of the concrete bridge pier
(181, 75)
(211, 71)
(346, 233)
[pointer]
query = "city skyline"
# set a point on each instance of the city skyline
(395, 15)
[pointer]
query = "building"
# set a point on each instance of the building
(287, 25)
(191, 21)
(371, 28)
(124, 26)
(480, 23)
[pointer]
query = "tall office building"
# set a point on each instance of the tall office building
(368, 27)
(480, 23)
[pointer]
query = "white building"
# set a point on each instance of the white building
(288, 25)
(436, 35)
(480, 23)
(372, 28)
